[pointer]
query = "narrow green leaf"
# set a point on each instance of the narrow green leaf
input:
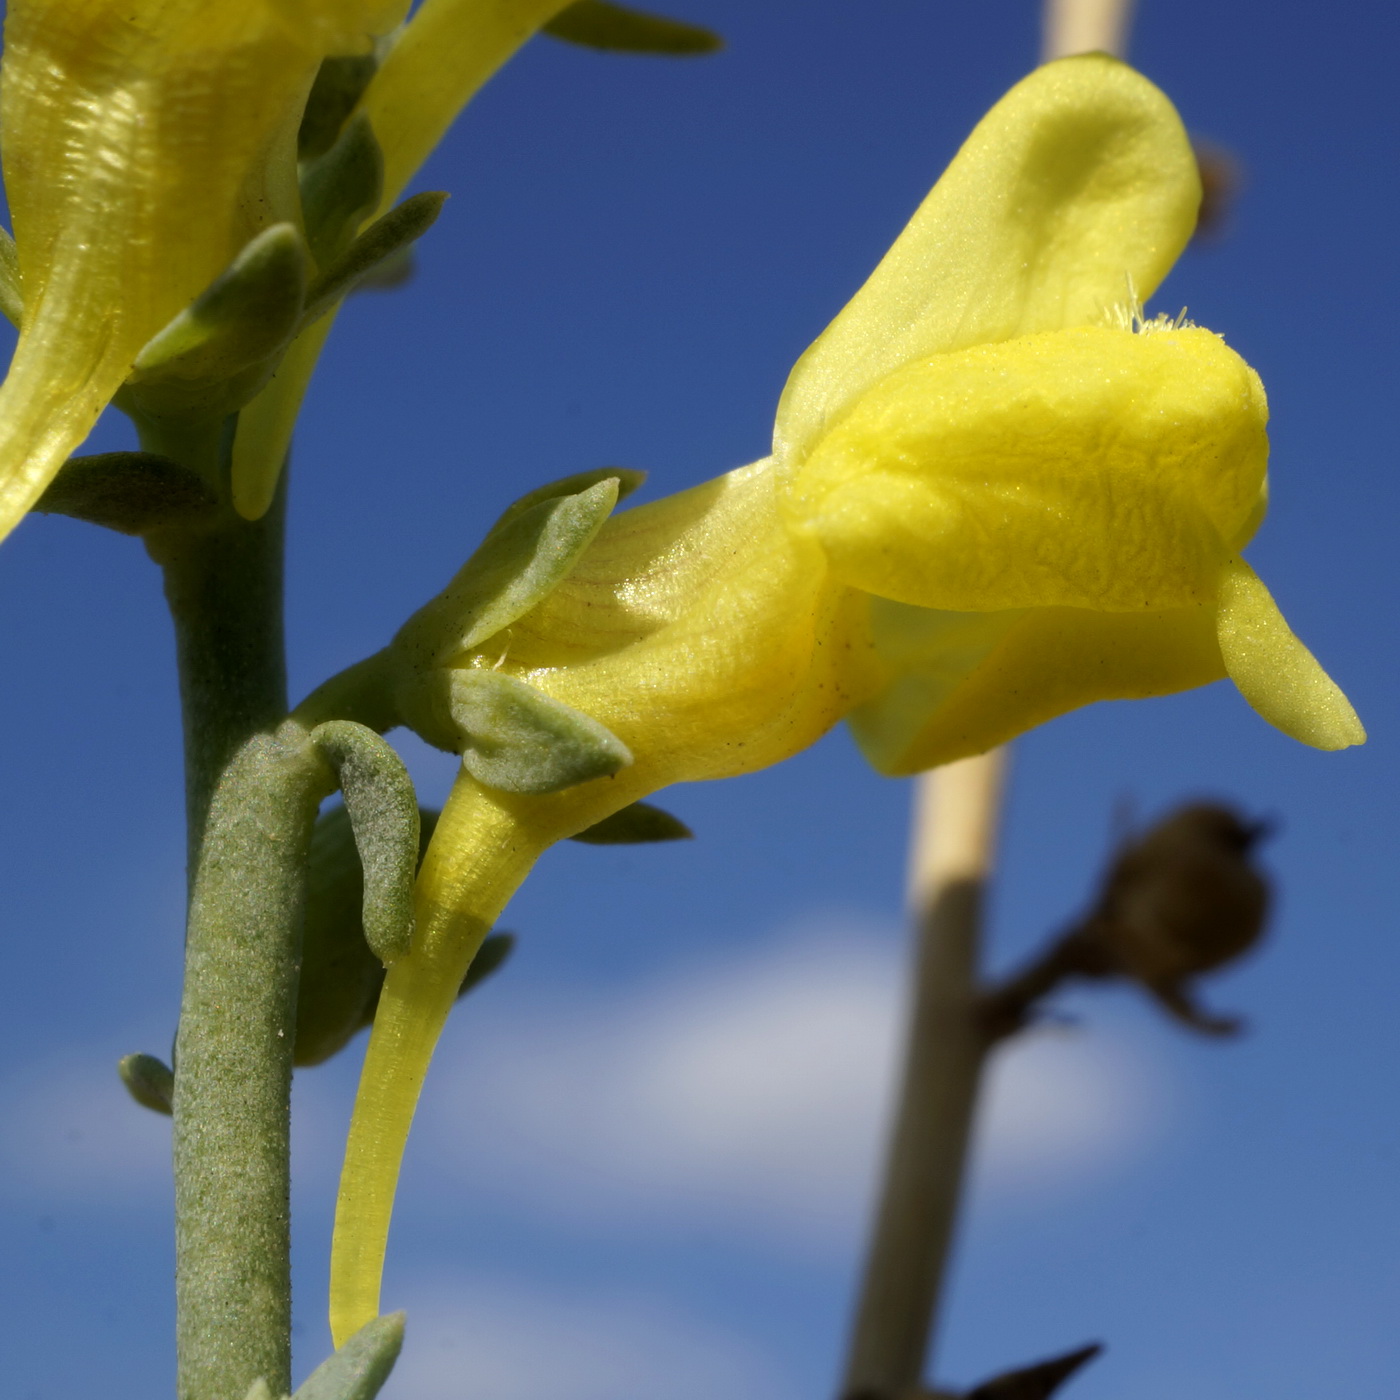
(244, 318)
(518, 739)
(634, 825)
(340, 83)
(11, 295)
(490, 958)
(383, 811)
(131, 492)
(341, 189)
(361, 1366)
(390, 233)
(597, 25)
(151, 1082)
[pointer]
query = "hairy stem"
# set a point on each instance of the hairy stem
(249, 811)
(234, 1070)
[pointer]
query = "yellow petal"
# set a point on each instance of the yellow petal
(1275, 672)
(1079, 179)
(965, 684)
(1082, 468)
(144, 144)
(340, 26)
(702, 633)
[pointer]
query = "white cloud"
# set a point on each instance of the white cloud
(497, 1341)
(747, 1097)
(753, 1098)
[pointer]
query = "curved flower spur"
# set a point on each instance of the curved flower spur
(995, 494)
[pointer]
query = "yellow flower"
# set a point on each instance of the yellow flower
(995, 494)
(145, 142)
(1045, 495)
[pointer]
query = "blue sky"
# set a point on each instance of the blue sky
(644, 1156)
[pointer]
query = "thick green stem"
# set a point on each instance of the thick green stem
(234, 1070)
(251, 793)
(223, 583)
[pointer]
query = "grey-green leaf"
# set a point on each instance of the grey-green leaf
(634, 825)
(11, 294)
(518, 739)
(245, 317)
(341, 189)
(259, 1390)
(597, 25)
(388, 235)
(149, 1081)
(361, 1366)
(383, 811)
(131, 492)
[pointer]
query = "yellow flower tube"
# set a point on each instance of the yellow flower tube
(712, 642)
(995, 495)
(144, 143)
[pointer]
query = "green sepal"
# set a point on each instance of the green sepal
(340, 977)
(131, 492)
(385, 237)
(340, 83)
(490, 958)
(383, 812)
(11, 296)
(341, 189)
(393, 272)
(518, 739)
(361, 1366)
(516, 566)
(628, 480)
(151, 1082)
(635, 825)
(597, 25)
(215, 355)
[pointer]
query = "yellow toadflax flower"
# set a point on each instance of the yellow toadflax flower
(995, 494)
(145, 142)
